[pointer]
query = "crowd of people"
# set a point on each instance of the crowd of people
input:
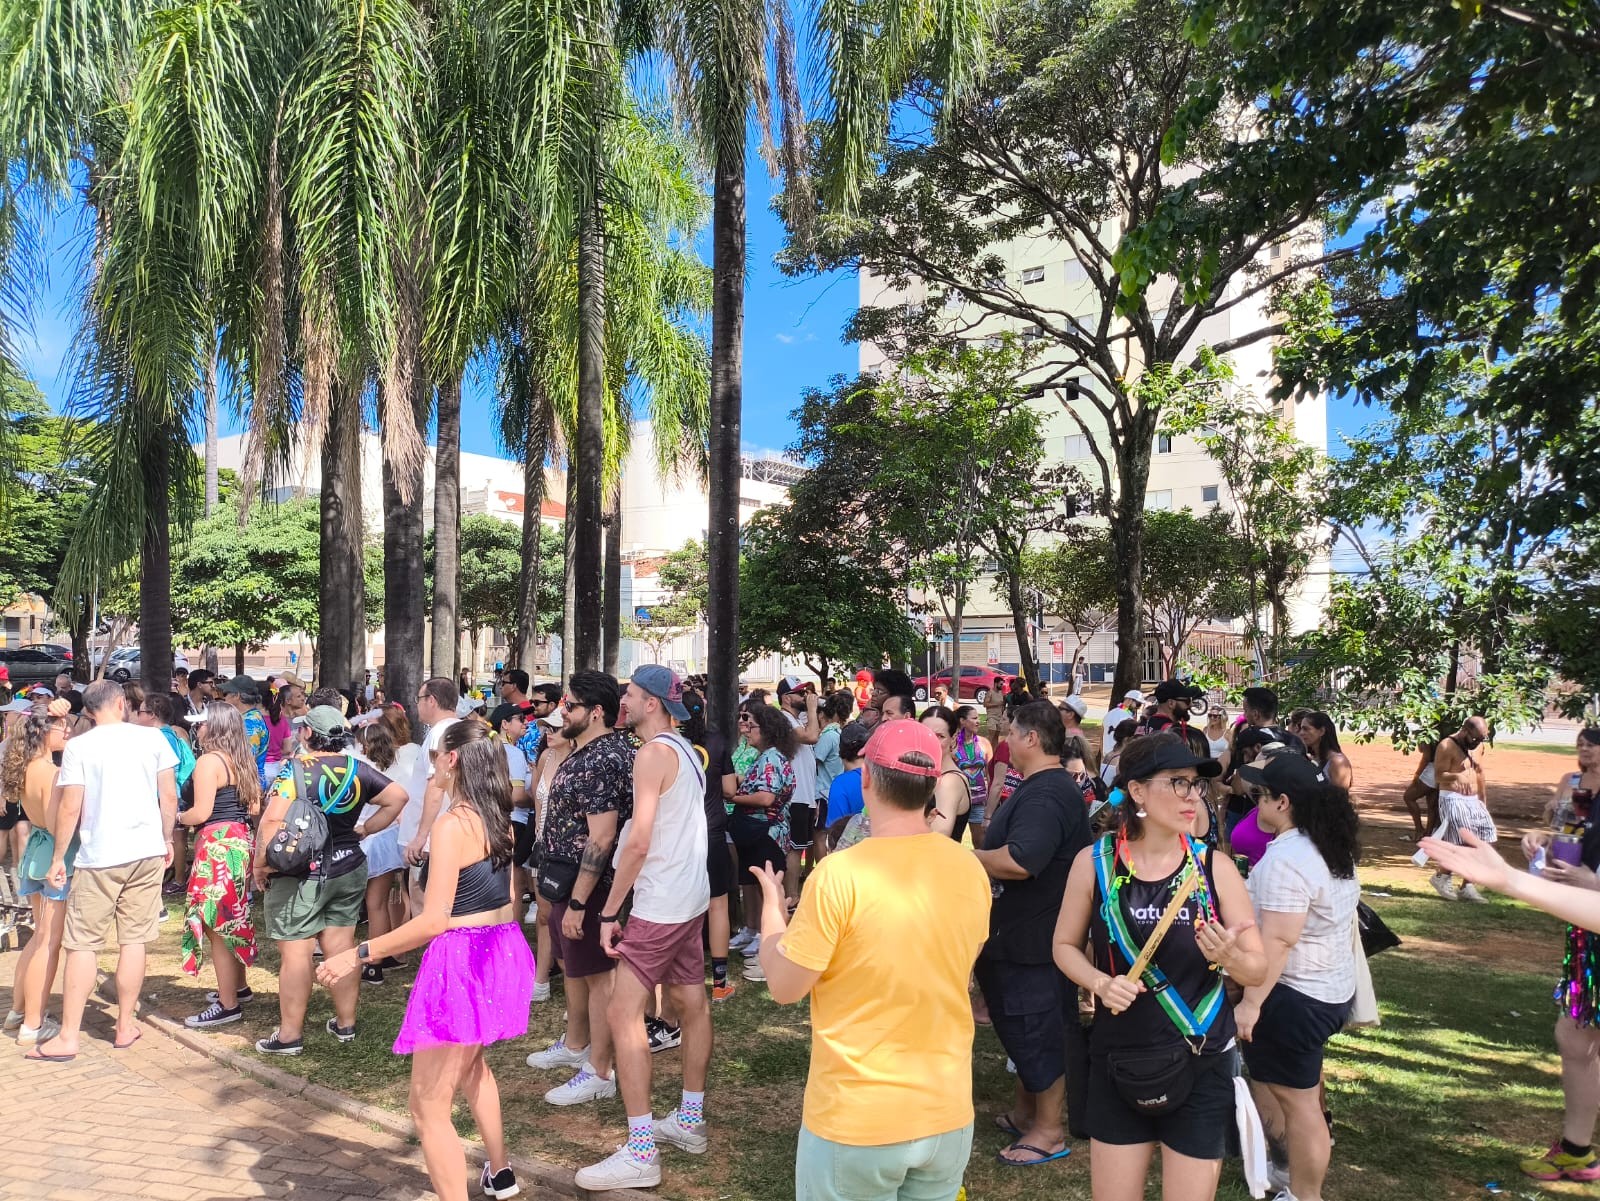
(1159, 924)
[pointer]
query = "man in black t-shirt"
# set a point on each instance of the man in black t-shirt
(1031, 842)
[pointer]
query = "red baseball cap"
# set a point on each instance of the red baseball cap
(892, 741)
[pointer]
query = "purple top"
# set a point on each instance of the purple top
(1249, 839)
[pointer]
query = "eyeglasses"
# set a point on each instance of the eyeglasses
(1182, 786)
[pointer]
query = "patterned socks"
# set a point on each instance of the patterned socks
(642, 1138)
(692, 1109)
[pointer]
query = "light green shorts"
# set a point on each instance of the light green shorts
(924, 1169)
(299, 909)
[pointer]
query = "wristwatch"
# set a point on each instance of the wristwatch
(577, 905)
(361, 952)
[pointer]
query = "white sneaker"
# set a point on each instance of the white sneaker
(541, 992)
(1277, 1176)
(1443, 886)
(558, 1055)
(752, 971)
(1469, 892)
(621, 1170)
(585, 1086)
(13, 1021)
(27, 1036)
(531, 917)
(672, 1131)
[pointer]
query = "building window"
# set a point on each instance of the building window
(1208, 494)
(994, 283)
(1075, 446)
(1033, 275)
(1070, 391)
(992, 342)
(1163, 444)
(1032, 334)
(1158, 500)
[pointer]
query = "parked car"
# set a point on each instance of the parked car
(976, 683)
(54, 649)
(27, 666)
(124, 664)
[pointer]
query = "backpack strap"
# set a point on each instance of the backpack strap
(302, 786)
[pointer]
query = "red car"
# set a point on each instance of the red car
(976, 683)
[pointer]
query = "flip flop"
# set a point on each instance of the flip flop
(1044, 1156)
(1004, 1124)
(137, 1035)
(39, 1056)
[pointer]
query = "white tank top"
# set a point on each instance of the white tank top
(673, 886)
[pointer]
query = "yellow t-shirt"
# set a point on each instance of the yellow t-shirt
(893, 925)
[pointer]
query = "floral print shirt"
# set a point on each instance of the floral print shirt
(773, 773)
(595, 778)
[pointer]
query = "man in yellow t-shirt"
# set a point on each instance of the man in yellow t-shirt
(884, 940)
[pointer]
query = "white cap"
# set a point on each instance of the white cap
(1134, 695)
(1076, 703)
(18, 705)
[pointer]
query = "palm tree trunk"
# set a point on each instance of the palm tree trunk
(212, 497)
(447, 532)
(402, 558)
(722, 527)
(568, 607)
(341, 601)
(585, 516)
(611, 619)
(525, 645)
(155, 570)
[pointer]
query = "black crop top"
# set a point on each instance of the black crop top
(481, 888)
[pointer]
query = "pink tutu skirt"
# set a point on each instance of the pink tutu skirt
(473, 987)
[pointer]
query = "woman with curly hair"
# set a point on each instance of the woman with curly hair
(760, 821)
(29, 773)
(224, 797)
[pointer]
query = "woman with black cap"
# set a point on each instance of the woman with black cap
(1161, 1066)
(1305, 895)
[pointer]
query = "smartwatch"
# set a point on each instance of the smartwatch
(574, 903)
(361, 952)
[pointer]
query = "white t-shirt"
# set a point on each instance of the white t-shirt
(421, 773)
(1113, 719)
(805, 767)
(517, 768)
(1293, 878)
(117, 766)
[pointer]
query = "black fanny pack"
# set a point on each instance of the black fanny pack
(557, 875)
(1153, 1081)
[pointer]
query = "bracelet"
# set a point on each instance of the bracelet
(615, 917)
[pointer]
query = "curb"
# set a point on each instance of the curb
(547, 1176)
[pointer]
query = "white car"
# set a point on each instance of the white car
(124, 664)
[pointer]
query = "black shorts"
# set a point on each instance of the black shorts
(1198, 1128)
(802, 824)
(522, 848)
(719, 864)
(1028, 1006)
(754, 844)
(10, 814)
(1286, 1046)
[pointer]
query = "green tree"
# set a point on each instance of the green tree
(1194, 569)
(1076, 577)
(491, 570)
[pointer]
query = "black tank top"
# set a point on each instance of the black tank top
(959, 830)
(227, 807)
(481, 888)
(1145, 1023)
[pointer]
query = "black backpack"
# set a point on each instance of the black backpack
(302, 840)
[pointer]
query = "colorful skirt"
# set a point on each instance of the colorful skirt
(1578, 993)
(218, 894)
(473, 988)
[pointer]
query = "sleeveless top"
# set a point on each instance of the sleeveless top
(673, 887)
(1145, 1023)
(969, 758)
(481, 888)
(960, 828)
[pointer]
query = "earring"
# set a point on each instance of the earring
(1140, 813)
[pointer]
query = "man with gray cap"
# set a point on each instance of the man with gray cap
(661, 859)
(244, 694)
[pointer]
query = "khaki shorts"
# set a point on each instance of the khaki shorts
(124, 901)
(298, 909)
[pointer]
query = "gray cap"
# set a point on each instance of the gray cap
(663, 684)
(324, 720)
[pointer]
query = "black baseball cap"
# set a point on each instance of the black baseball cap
(244, 687)
(1175, 690)
(1285, 773)
(503, 711)
(1168, 752)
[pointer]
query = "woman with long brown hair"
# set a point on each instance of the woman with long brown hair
(29, 774)
(474, 983)
(381, 742)
(226, 795)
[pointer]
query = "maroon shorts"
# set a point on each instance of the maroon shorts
(582, 956)
(664, 954)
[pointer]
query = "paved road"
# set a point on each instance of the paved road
(159, 1121)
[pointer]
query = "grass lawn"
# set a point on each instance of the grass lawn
(1460, 1081)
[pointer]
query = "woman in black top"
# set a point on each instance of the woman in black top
(952, 795)
(722, 781)
(1161, 1058)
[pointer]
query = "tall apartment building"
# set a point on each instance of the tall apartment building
(1048, 274)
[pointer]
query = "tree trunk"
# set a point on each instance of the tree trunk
(589, 460)
(524, 645)
(611, 621)
(568, 606)
(1127, 548)
(238, 658)
(155, 570)
(211, 501)
(958, 608)
(722, 525)
(82, 658)
(447, 532)
(1028, 664)
(341, 600)
(402, 559)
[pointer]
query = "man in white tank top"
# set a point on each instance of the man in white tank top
(661, 859)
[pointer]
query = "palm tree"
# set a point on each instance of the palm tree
(723, 54)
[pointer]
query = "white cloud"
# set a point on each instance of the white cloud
(786, 339)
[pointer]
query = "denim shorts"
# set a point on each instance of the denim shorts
(923, 1169)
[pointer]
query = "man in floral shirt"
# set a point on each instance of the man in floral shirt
(591, 798)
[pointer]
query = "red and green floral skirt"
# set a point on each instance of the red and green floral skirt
(219, 896)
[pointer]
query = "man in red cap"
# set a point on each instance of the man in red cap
(883, 941)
